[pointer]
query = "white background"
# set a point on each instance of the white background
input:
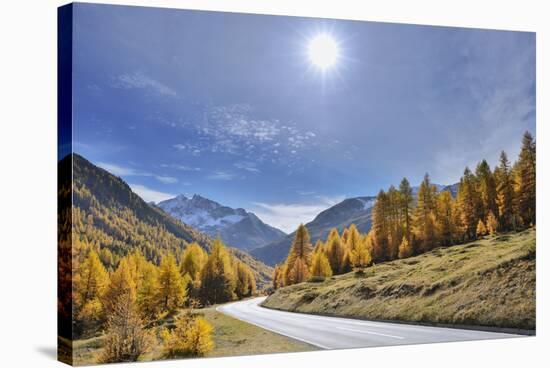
(28, 181)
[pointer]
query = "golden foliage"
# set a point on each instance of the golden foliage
(492, 223)
(218, 280)
(192, 336)
(405, 249)
(172, 291)
(320, 266)
(90, 283)
(481, 230)
(300, 252)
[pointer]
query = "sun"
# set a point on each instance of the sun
(323, 51)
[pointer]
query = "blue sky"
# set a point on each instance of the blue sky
(229, 106)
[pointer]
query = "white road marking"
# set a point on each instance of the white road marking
(369, 332)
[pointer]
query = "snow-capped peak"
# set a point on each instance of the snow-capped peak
(215, 219)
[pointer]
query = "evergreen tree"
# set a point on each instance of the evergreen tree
(278, 277)
(481, 230)
(395, 222)
(218, 277)
(300, 249)
(526, 168)
(487, 188)
(298, 273)
(147, 301)
(405, 249)
(406, 207)
(361, 256)
(335, 252)
(446, 228)
(380, 227)
(345, 235)
(353, 238)
(492, 223)
(193, 260)
(90, 282)
(469, 204)
(320, 267)
(122, 283)
(424, 215)
(505, 193)
(347, 265)
(319, 247)
(368, 239)
(172, 292)
(245, 281)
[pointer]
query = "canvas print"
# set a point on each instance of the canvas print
(234, 184)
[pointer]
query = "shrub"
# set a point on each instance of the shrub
(192, 336)
(317, 279)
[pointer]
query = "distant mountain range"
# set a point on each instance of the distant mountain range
(350, 211)
(236, 227)
(453, 188)
(199, 219)
(107, 212)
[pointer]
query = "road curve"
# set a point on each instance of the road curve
(340, 333)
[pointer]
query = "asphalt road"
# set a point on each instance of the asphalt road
(339, 333)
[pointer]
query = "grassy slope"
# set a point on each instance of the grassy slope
(490, 282)
(232, 337)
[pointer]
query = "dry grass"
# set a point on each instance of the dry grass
(490, 282)
(232, 337)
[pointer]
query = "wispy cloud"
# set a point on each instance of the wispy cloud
(247, 166)
(117, 170)
(221, 175)
(181, 167)
(166, 179)
(128, 171)
(287, 216)
(236, 130)
(150, 195)
(138, 80)
(193, 149)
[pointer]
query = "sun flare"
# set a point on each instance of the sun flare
(323, 51)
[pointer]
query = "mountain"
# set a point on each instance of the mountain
(350, 211)
(438, 187)
(108, 214)
(236, 227)
(453, 189)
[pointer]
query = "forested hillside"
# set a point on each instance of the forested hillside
(108, 216)
(406, 224)
(125, 264)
